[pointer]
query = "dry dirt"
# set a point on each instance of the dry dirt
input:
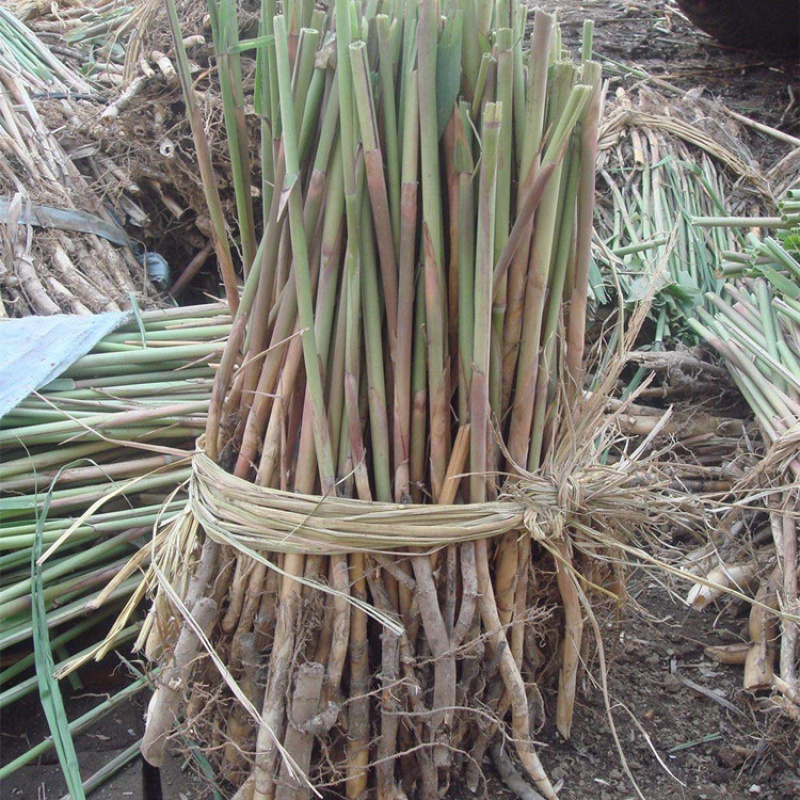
(654, 35)
(679, 742)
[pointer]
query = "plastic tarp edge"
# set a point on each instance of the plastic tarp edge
(36, 350)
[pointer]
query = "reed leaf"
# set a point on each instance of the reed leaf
(49, 691)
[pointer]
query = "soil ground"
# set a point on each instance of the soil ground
(654, 35)
(680, 742)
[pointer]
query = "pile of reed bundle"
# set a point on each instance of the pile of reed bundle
(91, 463)
(399, 509)
(63, 251)
(755, 326)
(662, 162)
(665, 164)
(113, 42)
(128, 134)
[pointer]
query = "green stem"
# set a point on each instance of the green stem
(291, 194)
(480, 412)
(203, 153)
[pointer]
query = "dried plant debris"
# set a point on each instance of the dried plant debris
(63, 250)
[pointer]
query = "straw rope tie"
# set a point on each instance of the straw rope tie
(548, 520)
(236, 512)
(571, 497)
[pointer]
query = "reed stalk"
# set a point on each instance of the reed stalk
(755, 329)
(133, 410)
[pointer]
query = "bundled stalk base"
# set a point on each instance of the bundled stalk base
(568, 522)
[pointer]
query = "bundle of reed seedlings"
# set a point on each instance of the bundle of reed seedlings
(123, 52)
(657, 172)
(62, 249)
(107, 445)
(755, 326)
(367, 602)
(103, 40)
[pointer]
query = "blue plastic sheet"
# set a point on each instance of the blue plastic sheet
(35, 350)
